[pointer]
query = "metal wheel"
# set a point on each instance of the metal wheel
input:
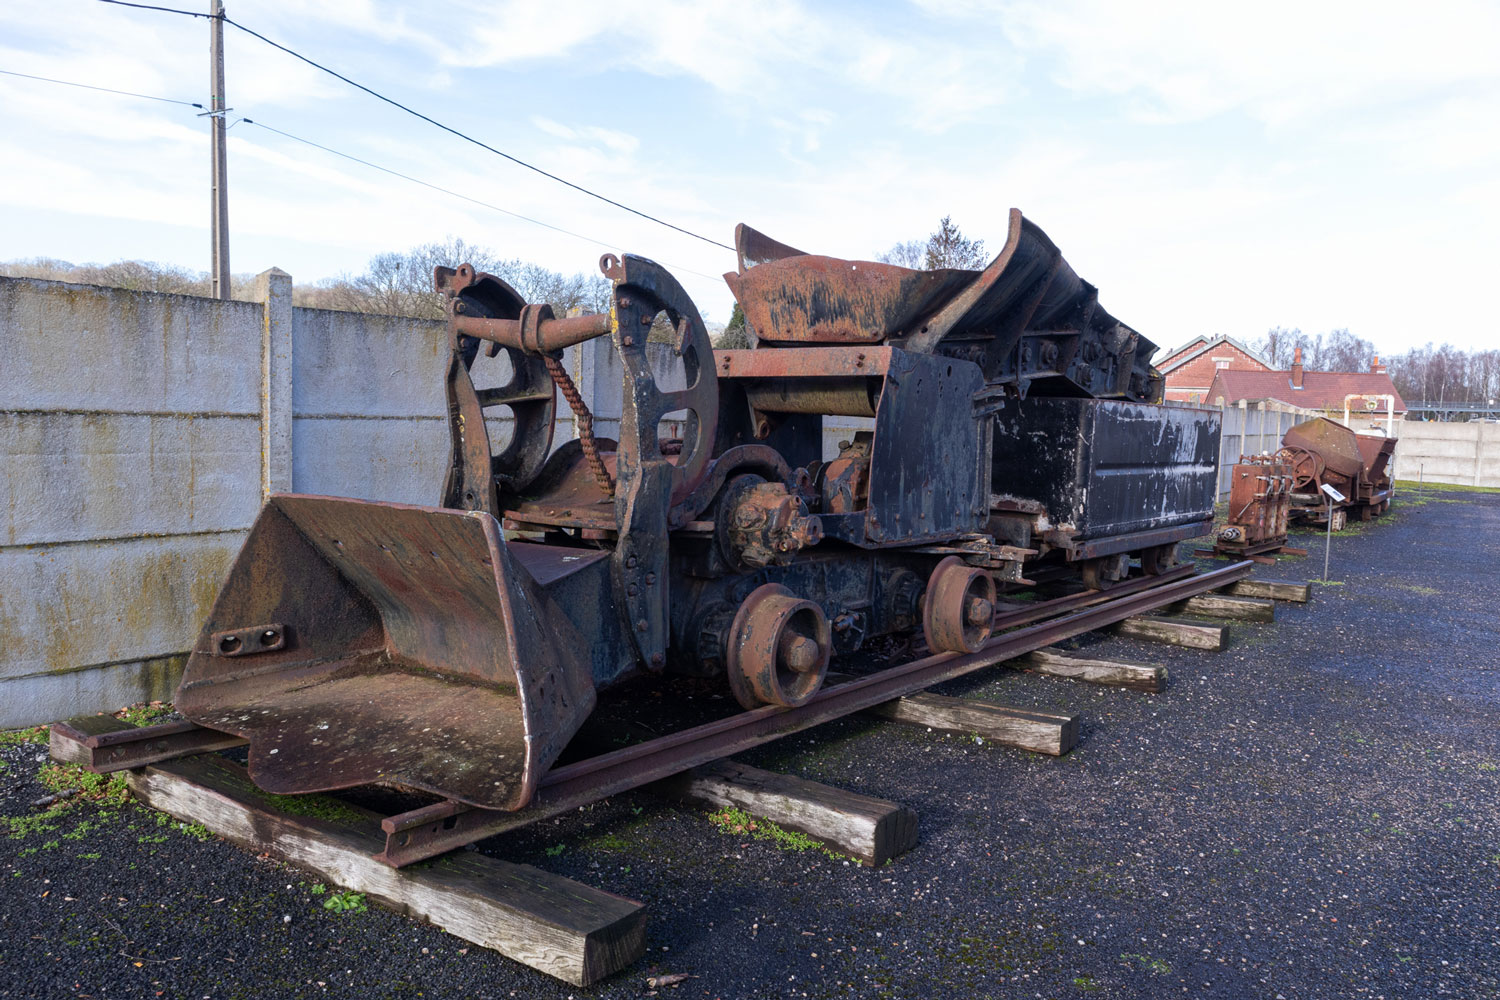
(1158, 559)
(778, 649)
(959, 609)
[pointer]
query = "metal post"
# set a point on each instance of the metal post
(216, 124)
(1328, 540)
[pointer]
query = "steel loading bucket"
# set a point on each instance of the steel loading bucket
(358, 642)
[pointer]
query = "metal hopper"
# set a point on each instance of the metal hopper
(359, 642)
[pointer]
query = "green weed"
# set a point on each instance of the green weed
(738, 822)
(346, 902)
(14, 737)
(1147, 963)
(144, 714)
(316, 807)
(108, 788)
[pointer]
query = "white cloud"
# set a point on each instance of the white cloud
(1278, 60)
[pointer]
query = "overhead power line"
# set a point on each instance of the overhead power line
(459, 195)
(107, 90)
(432, 121)
(373, 166)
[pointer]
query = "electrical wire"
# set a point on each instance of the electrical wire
(432, 121)
(457, 194)
(373, 166)
(107, 90)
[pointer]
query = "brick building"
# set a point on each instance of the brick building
(1190, 369)
(1312, 390)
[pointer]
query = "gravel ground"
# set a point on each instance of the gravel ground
(1311, 813)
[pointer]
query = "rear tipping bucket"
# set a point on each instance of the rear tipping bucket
(358, 642)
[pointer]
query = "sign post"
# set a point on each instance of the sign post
(1334, 496)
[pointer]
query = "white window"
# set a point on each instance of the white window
(1222, 362)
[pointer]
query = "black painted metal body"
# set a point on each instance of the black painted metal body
(1092, 478)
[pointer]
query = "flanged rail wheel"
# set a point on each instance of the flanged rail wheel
(1157, 559)
(779, 645)
(959, 610)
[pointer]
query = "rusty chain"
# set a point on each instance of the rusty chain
(585, 422)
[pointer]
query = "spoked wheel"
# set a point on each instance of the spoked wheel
(1157, 559)
(958, 611)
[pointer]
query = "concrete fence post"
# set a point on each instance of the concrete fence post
(273, 290)
(1478, 451)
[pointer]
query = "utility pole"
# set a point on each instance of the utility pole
(217, 126)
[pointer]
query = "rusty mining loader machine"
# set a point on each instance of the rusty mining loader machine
(457, 648)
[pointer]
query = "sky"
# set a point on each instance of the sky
(1211, 168)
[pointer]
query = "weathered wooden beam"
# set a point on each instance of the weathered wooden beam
(1150, 677)
(1276, 590)
(1240, 609)
(1039, 732)
(553, 924)
(1172, 631)
(861, 826)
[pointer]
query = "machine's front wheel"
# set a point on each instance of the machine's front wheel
(779, 646)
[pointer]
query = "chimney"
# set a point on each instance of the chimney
(1297, 369)
(1376, 368)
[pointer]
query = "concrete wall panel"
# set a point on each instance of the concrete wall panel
(80, 347)
(351, 363)
(65, 607)
(71, 476)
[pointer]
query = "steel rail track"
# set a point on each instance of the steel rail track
(432, 830)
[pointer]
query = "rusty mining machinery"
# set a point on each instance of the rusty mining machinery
(1322, 452)
(458, 648)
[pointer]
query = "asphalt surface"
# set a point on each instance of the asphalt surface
(1311, 813)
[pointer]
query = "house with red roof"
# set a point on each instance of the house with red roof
(1190, 369)
(1325, 391)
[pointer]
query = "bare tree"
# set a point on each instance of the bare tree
(911, 253)
(397, 283)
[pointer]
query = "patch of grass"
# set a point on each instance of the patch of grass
(1087, 983)
(609, 842)
(346, 902)
(21, 827)
(318, 889)
(144, 714)
(1327, 583)
(15, 737)
(1147, 963)
(554, 850)
(316, 807)
(195, 830)
(1411, 484)
(108, 788)
(1417, 588)
(737, 822)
